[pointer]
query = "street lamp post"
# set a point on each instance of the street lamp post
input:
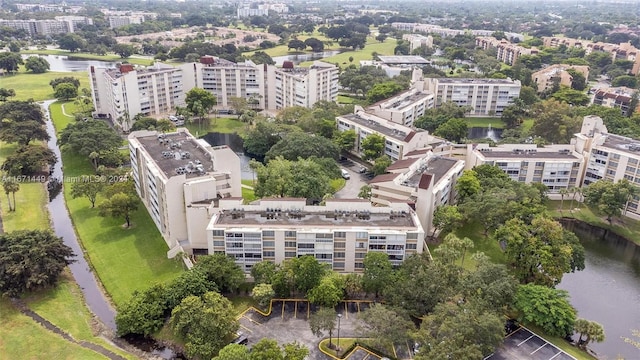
(338, 345)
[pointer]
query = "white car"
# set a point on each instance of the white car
(345, 174)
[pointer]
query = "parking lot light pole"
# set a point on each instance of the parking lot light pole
(338, 345)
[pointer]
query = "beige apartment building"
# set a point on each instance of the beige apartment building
(506, 52)
(399, 139)
(616, 97)
(417, 41)
(180, 180)
(610, 157)
(546, 77)
(404, 108)
(123, 92)
(424, 180)
(300, 86)
(484, 97)
(338, 234)
(59, 25)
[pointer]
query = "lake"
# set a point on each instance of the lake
(61, 63)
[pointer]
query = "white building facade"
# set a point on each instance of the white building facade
(484, 97)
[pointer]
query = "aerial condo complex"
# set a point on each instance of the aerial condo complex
(338, 180)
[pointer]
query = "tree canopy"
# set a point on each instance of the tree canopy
(86, 137)
(36, 64)
(297, 145)
(547, 308)
(308, 178)
(31, 260)
(608, 198)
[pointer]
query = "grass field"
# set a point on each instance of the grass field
(487, 245)
(221, 125)
(385, 48)
(484, 122)
(125, 260)
(87, 56)
(23, 338)
(36, 86)
(526, 126)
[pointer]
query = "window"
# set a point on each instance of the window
(412, 246)
(324, 256)
(289, 244)
(290, 254)
(268, 243)
(218, 243)
(376, 247)
(268, 233)
(412, 236)
(360, 255)
(339, 245)
(338, 265)
(340, 234)
(324, 236)
(360, 245)
(289, 234)
(218, 233)
(358, 265)
(362, 235)
(306, 246)
(269, 253)
(339, 255)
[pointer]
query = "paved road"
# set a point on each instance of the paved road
(353, 185)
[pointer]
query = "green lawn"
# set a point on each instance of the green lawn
(496, 123)
(221, 125)
(124, 259)
(31, 202)
(487, 245)
(23, 338)
(64, 307)
(36, 86)
(623, 226)
(385, 48)
(526, 126)
(87, 56)
(242, 303)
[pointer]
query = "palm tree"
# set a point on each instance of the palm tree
(563, 192)
(576, 192)
(11, 186)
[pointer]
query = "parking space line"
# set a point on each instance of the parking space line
(525, 340)
(283, 304)
(515, 331)
(536, 350)
(559, 353)
(409, 348)
(346, 311)
(295, 310)
(250, 319)
(246, 328)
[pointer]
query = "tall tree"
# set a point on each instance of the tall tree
(36, 64)
(301, 145)
(372, 146)
(120, 205)
(11, 186)
(143, 313)
(200, 101)
(589, 329)
(323, 320)
(10, 62)
(345, 140)
(554, 121)
(547, 308)
(206, 324)
(89, 189)
(22, 132)
(384, 326)
(540, 252)
(326, 293)
(29, 160)
(454, 129)
(85, 137)
(31, 260)
(233, 352)
(609, 198)
(263, 293)
(5, 94)
(377, 272)
(221, 270)
(446, 218)
(65, 91)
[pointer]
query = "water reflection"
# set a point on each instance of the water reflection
(61, 63)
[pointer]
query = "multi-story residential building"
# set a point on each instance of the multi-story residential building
(61, 25)
(484, 97)
(624, 51)
(403, 108)
(399, 139)
(416, 41)
(126, 91)
(556, 166)
(300, 86)
(546, 78)
(181, 180)
(63, 8)
(506, 52)
(124, 20)
(226, 79)
(425, 181)
(394, 65)
(248, 12)
(339, 233)
(442, 31)
(616, 97)
(610, 157)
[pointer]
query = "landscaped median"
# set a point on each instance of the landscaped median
(124, 259)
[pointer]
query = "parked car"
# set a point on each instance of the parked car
(345, 174)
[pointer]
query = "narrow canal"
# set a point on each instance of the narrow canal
(62, 226)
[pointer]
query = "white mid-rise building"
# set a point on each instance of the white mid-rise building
(424, 180)
(123, 92)
(417, 41)
(181, 180)
(556, 166)
(484, 97)
(399, 139)
(338, 234)
(59, 25)
(405, 107)
(301, 86)
(124, 20)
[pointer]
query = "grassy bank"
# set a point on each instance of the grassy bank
(484, 122)
(623, 226)
(36, 86)
(385, 48)
(124, 259)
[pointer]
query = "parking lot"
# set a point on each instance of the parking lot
(523, 344)
(287, 322)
